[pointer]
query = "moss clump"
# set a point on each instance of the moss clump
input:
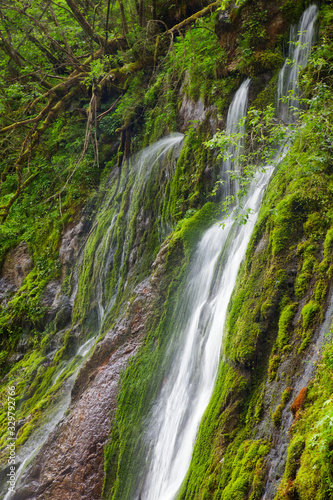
(291, 213)
(309, 313)
(285, 320)
(262, 61)
(328, 243)
(295, 450)
(245, 475)
(286, 395)
(277, 415)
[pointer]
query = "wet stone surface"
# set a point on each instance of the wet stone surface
(70, 465)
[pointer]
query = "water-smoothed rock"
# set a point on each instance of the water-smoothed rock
(191, 113)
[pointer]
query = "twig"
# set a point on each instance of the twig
(99, 117)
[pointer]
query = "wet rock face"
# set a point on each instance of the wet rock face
(57, 304)
(71, 244)
(191, 111)
(16, 267)
(71, 463)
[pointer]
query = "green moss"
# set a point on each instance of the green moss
(256, 406)
(293, 10)
(277, 415)
(328, 244)
(246, 475)
(267, 95)
(295, 450)
(291, 212)
(286, 395)
(309, 313)
(285, 320)
(36, 395)
(321, 290)
(309, 457)
(262, 61)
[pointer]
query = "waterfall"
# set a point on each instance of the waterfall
(141, 168)
(187, 392)
(189, 385)
(301, 40)
(237, 111)
(188, 388)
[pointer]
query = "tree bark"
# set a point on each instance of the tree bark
(207, 10)
(123, 18)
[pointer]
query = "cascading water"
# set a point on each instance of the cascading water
(186, 393)
(236, 112)
(301, 40)
(141, 168)
(189, 385)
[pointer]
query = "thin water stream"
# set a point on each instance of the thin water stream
(301, 40)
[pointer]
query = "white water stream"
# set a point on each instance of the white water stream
(187, 391)
(189, 385)
(142, 166)
(301, 40)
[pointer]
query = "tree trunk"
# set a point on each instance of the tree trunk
(123, 18)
